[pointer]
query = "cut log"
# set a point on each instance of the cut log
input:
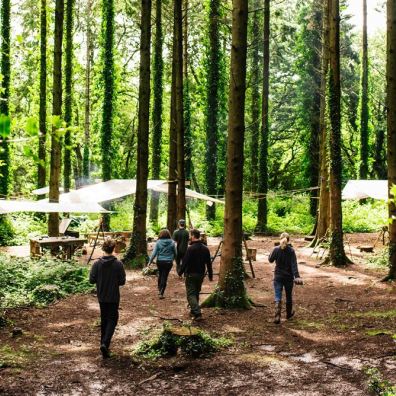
(366, 248)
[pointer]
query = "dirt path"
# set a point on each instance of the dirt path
(344, 322)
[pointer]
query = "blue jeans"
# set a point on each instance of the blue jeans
(278, 288)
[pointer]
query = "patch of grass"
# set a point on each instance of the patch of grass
(380, 259)
(378, 385)
(10, 357)
(374, 333)
(305, 324)
(391, 314)
(190, 341)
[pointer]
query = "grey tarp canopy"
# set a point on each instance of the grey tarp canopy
(360, 189)
(11, 206)
(118, 188)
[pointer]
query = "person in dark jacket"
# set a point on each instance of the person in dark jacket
(194, 265)
(165, 251)
(108, 274)
(285, 275)
(181, 236)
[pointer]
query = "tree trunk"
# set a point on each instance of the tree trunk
(137, 250)
(68, 94)
(178, 64)
(364, 107)
(255, 99)
(315, 131)
(263, 156)
(108, 79)
(5, 95)
(87, 120)
(379, 165)
(230, 291)
(56, 148)
(158, 74)
(172, 175)
(323, 219)
(212, 104)
(41, 171)
(337, 255)
(186, 95)
(391, 126)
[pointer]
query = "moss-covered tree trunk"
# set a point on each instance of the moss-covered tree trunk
(108, 97)
(315, 103)
(230, 291)
(212, 104)
(256, 40)
(323, 218)
(263, 154)
(56, 142)
(5, 94)
(42, 153)
(172, 174)
(336, 255)
(379, 164)
(158, 75)
(364, 105)
(178, 64)
(391, 126)
(67, 166)
(87, 114)
(138, 246)
(186, 97)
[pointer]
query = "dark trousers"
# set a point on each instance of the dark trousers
(279, 284)
(108, 321)
(193, 288)
(164, 268)
(179, 259)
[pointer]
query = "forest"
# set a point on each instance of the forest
(248, 119)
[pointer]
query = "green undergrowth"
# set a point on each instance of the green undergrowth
(374, 333)
(379, 259)
(25, 282)
(190, 341)
(391, 314)
(378, 385)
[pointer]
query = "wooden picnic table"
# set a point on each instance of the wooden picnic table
(68, 244)
(112, 234)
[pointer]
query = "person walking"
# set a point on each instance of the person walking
(108, 274)
(181, 236)
(195, 262)
(285, 275)
(165, 251)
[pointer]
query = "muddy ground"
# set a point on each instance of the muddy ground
(345, 319)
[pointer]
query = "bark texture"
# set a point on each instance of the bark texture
(138, 246)
(56, 142)
(263, 155)
(230, 291)
(391, 125)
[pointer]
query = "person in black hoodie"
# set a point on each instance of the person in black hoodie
(194, 264)
(285, 275)
(108, 274)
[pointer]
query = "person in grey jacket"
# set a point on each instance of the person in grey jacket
(165, 251)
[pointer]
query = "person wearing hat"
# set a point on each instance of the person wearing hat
(181, 237)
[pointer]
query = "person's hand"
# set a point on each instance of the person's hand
(298, 281)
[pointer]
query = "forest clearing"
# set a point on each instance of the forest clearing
(345, 323)
(211, 182)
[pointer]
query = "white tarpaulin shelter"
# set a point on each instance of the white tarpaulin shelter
(118, 188)
(360, 189)
(43, 206)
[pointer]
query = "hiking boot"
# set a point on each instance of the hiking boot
(278, 308)
(161, 296)
(105, 351)
(197, 318)
(289, 311)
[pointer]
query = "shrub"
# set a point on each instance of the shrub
(25, 282)
(379, 386)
